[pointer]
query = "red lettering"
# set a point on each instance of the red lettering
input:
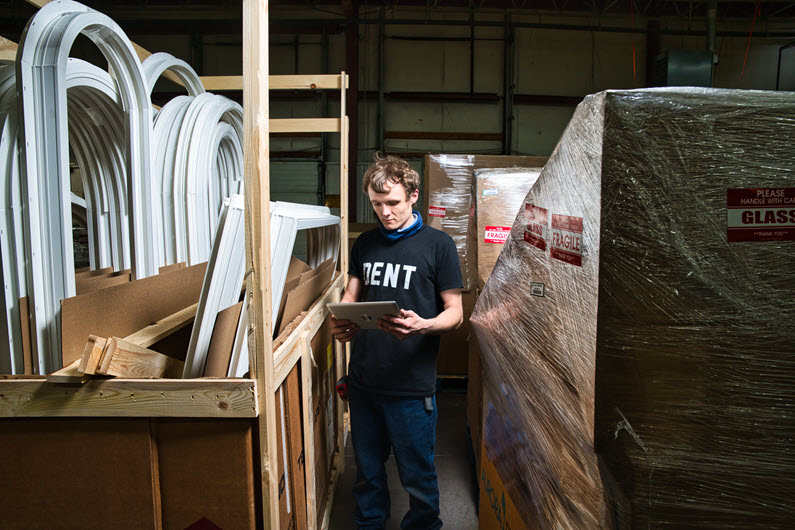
(792, 216)
(781, 216)
(770, 217)
(747, 217)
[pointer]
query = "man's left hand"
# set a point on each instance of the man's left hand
(406, 325)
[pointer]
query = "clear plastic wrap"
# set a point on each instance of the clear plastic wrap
(447, 181)
(639, 367)
(496, 195)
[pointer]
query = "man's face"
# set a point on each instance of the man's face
(393, 208)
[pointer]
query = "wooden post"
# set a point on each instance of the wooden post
(255, 118)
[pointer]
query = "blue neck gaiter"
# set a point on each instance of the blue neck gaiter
(400, 233)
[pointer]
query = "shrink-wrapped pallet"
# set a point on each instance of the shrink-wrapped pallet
(447, 184)
(636, 332)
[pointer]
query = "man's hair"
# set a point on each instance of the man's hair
(389, 171)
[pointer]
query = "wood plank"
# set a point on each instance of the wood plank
(257, 181)
(336, 473)
(175, 398)
(8, 50)
(29, 357)
(284, 125)
(70, 374)
(309, 430)
(219, 83)
(429, 135)
(298, 82)
(136, 362)
(163, 328)
(92, 354)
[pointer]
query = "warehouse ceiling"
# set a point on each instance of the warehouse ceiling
(153, 17)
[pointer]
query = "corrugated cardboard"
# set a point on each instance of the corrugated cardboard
(310, 286)
(78, 473)
(496, 510)
(124, 309)
(222, 341)
(447, 187)
(454, 346)
(85, 284)
(475, 399)
(323, 412)
(497, 195)
(206, 470)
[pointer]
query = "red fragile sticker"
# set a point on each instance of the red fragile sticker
(536, 231)
(567, 239)
(497, 234)
(436, 211)
(760, 214)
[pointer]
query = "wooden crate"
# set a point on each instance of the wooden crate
(159, 426)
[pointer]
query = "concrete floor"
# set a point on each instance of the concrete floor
(458, 503)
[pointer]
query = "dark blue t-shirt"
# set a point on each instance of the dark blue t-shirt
(412, 271)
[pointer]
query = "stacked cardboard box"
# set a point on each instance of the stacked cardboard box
(447, 182)
(636, 330)
(496, 196)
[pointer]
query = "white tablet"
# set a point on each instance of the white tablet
(365, 314)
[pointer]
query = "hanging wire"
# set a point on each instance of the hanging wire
(757, 12)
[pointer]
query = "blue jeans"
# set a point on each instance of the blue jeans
(379, 423)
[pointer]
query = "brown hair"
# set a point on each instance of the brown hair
(390, 169)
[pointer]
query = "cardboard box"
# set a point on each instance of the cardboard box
(497, 195)
(447, 189)
(128, 473)
(496, 510)
(78, 473)
(206, 470)
(454, 346)
(636, 330)
(474, 401)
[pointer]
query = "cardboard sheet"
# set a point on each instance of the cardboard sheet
(222, 341)
(310, 286)
(124, 309)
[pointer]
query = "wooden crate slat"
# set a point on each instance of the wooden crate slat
(189, 398)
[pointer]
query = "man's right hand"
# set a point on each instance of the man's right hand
(343, 330)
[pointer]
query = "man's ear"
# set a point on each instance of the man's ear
(414, 196)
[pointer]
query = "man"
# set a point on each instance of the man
(392, 372)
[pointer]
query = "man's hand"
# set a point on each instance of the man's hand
(407, 324)
(343, 330)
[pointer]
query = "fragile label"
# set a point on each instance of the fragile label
(567, 239)
(436, 211)
(760, 214)
(536, 231)
(491, 192)
(497, 234)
